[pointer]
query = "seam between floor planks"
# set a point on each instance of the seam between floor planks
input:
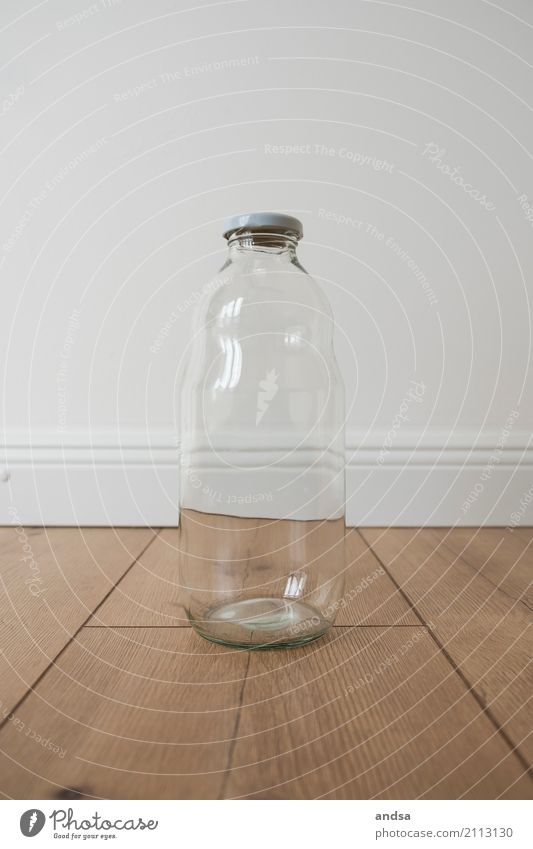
(486, 710)
(77, 631)
(346, 625)
(412, 606)
(238, 717)
(233, 744)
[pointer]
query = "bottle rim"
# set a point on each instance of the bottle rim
(263, 221)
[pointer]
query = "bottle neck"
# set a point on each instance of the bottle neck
(247, 242)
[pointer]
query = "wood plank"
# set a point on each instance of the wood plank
(150, 595)
(368, 713)
(502, 556)
(486, 633)
(10, 541)
(524, 531)
(45, 598)
(138, 713)
(370, 596)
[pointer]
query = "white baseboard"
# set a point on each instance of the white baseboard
(434, 479)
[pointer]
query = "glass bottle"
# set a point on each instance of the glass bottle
(262, 495)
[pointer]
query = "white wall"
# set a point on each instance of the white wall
(129, 130)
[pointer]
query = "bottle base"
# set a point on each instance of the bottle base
(261, 623)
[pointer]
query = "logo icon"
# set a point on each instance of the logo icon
(32, 822)
(268, 388)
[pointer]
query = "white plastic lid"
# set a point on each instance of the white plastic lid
(263, 220)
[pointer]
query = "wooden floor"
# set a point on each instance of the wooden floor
(421, 690)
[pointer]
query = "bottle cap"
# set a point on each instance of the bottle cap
(263, 221)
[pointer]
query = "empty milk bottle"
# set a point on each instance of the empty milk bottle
(262, 495)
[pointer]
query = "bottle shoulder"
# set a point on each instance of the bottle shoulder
(282, 291)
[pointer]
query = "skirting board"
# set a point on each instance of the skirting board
(431, 479)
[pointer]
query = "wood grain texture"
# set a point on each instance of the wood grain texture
(503, 557)
(9, 542)
(488, 634)
(150, 594)
(372, 713)
(370, 596)
(136, 705)
(140, 713)
(151, 713)
(47, 596)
